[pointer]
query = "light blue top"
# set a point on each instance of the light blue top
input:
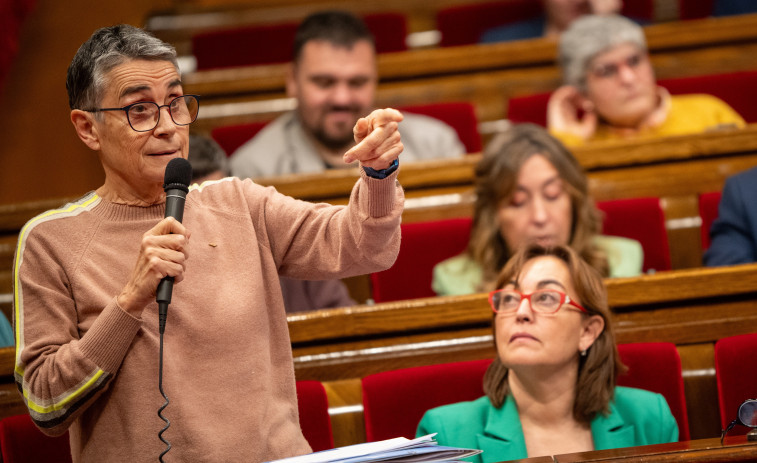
(461, 275)
(6, 332)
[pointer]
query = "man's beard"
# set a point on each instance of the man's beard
(341, 142)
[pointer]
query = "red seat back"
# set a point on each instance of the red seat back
(736, 372)
(640, 219)
(272, 43)
(464, 24)
(738, 89)
(244, 46)
(656, 367)
(708, 211)
(461, 116)
(424, 244)
(231, 137)
(22, 442)
(313, 406)
(394, 401)
(735, 88)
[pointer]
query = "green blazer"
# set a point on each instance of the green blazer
(636, 417)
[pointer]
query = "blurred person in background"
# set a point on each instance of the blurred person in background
(333, 77)
(530, 189)
(558, 15)
(610, 91)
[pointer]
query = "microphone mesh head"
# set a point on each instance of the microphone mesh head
(178, 175)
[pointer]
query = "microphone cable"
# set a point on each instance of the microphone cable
(177, 178)
(160, 384)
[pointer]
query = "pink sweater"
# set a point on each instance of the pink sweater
(85, 365)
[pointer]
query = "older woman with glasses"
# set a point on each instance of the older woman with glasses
(610, 91)
(552, 388)
(86, 318)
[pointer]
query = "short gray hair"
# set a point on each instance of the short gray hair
(590, 35)
(105, 49)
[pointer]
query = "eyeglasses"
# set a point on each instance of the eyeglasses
(546, 301)
(610, 70)
(144, 116)
(747, 416)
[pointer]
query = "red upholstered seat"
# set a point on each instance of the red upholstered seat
(394, 401)
(529, 108)
(640, 219)
(656, 367)
(424, 244)
(244, 46)
(735, 88)
(736, 371)
(459, 115)
(313, 406)
(22, 442)
(708, 211)
(231, 137)
(464, 24)
(272, 43)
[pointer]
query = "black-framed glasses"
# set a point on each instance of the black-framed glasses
(746, 416)
(546, 301)
(144, 116)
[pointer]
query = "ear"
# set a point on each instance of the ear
(291, 80)
(591, 328)
(85, 128)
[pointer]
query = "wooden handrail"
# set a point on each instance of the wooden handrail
(442, 313)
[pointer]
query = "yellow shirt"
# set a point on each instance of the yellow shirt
(688, 114)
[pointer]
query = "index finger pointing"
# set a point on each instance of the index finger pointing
(380, 117)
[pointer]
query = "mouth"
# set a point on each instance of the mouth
(525, 336)
(164, 153)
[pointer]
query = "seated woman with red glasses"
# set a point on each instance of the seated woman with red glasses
(552, 388)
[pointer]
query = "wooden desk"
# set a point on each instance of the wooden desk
(733, 449)
(691, 308)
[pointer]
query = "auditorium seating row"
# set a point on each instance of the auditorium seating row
(475, 73)
(394, 401)
(213, 31)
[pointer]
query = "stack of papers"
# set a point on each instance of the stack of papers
(400, 449)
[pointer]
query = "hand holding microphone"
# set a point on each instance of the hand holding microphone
(163, 250)
(176, 185)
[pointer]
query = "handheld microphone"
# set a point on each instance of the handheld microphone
(176, 185)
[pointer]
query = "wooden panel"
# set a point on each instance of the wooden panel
(737, 449)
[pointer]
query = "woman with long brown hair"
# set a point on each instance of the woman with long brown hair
(530, 189)
(552, 387)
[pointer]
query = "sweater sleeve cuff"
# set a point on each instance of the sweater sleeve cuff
(110, 336)
(382, 196)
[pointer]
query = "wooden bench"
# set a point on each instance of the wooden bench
(691, 308)
(485, 75)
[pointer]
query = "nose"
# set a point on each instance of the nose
(524, 313)
(539, 213)
(341, 95)
(166, 125)
(626, 74)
